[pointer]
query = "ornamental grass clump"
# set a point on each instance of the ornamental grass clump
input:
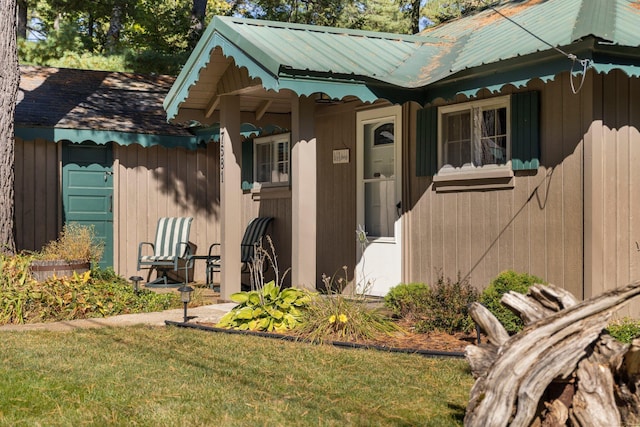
(337, 317)
(76, 242)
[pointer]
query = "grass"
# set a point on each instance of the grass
(145, 376)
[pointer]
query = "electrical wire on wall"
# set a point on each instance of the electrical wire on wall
(585, 63)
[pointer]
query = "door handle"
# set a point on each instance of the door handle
(111, 203)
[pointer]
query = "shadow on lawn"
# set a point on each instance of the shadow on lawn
(457, 412)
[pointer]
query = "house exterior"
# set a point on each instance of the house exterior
(94, 147)
(502, 140)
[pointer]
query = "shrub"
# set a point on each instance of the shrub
(408, 300)
(269, 308)
(343, 318)
(448, 306)
(24, 300)
(625, 330)
(507, 281)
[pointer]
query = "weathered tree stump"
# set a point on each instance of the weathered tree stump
(562, 369)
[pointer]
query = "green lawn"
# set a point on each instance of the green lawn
(146, 376)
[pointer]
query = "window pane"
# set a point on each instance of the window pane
(457, 138)
(380, 208)
(263, 157)
(272, 161)
(379, 151)
(493, 144)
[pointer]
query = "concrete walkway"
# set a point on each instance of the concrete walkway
(204, 314)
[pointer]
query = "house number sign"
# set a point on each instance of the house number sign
(341, 156)
(222, 155)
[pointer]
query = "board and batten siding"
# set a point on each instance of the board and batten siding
(276, 203)
(37, 193)
(612, 186)
(336, 193)
(534, 227)
(154, 182)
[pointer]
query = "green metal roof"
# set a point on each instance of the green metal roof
(466, 54)
(307, 59)
(489, 37)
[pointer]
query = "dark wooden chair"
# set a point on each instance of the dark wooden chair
(255, 231)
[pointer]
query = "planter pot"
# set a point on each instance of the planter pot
(41, 270)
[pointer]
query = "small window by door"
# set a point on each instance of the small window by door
(271, 159)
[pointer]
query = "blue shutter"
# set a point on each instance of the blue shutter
(525, 131)
(247, 164)
(427, 142)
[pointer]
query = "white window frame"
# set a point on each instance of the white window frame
(470, 171)
(273, 141)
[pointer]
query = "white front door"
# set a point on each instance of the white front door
(379, 261)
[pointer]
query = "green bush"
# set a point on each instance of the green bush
(625, 330)
(407, 300)
(269, 308)
(507, 281)
(447, 308)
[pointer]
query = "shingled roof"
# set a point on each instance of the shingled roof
(101, 106)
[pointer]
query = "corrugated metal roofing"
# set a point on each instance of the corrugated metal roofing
(489, 37)
(308, 59)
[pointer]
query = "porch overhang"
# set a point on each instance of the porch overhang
(311, 65)
(102, 137)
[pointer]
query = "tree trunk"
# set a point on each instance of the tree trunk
(562, 369)
(22, 19)
(415, 16)
(198, 12)
(115, 27)
(9, 79)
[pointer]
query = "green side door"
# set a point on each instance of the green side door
(87, 190)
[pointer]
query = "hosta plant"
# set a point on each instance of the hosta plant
(270, 308)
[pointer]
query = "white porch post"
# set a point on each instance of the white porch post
(230, 195)
(303, 193)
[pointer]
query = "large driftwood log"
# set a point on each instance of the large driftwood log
(564, 347)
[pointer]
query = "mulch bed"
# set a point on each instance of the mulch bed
(409, 342)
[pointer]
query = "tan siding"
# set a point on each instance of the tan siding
(612, 203)
(634, 181)
(534, 227)
(36, 193)
(336, 193)
(155, 182)
(275, 203)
